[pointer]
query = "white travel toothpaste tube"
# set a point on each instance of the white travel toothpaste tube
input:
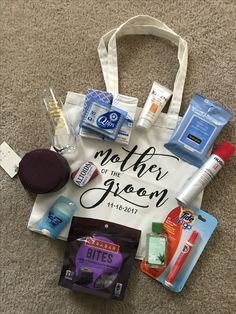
(157, 99)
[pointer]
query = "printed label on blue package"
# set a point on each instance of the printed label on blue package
(108, 120)
(186, 218)
(197, 134)
(53, 219)
(103, 120)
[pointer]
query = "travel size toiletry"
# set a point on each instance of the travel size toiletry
(181, 259)
(156, 247)
(63, 139)
(157, 99)
(187, 228)
(198, 129)
(91, 95)
(128, 105)
(103, 120)
(206, 173)
(57, 217)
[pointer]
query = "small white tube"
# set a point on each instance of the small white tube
(157, 99)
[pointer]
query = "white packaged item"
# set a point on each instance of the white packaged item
(156, 101)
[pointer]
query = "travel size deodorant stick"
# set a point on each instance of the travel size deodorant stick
(206, 173)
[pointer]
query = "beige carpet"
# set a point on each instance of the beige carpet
(54, 43)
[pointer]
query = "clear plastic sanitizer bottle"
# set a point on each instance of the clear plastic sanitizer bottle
(156, 247)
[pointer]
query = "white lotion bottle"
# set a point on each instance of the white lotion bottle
(157, 99)
(206, 173)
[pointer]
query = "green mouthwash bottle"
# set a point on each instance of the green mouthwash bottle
(156, 247)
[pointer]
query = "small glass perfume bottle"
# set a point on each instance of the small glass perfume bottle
(156, 247)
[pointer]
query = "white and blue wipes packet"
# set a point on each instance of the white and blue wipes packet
(196, 132)
(103, 119)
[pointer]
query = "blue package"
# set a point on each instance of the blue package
(97, 95)
(103, 120)
(128, 106)
(198, 129)
(57, 217)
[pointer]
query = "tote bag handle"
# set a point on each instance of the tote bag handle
(143, 25)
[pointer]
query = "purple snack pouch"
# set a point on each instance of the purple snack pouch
(98, 258)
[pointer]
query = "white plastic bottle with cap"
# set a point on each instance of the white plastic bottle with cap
(157, 99)
(206, 173)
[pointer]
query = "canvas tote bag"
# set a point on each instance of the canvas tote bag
(137, 183)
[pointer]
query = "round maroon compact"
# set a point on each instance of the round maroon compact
(43, 171)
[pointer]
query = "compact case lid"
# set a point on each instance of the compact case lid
(42, 171)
